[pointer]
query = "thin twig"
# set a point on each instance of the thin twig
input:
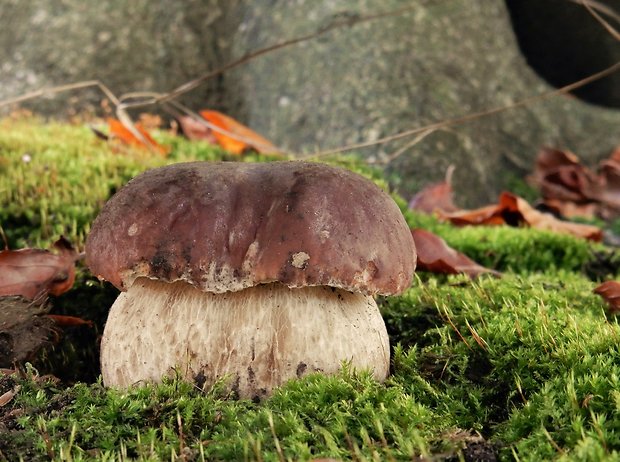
(471, 116)
(589, 5)
(600, 7)
(60, 89)
(405, 148)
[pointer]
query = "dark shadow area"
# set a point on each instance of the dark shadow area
(563, 42)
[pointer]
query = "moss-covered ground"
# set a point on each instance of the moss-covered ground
(524, 367)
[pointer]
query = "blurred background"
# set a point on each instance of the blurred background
(437, 60)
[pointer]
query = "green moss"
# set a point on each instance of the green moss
(522, 250)
(524, 367)
(531, 362)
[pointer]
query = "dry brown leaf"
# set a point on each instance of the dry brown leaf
(69, 321)
(610, 291)
(34, 273)
(194, 130)
(488, 215)
(436, 256)
(560, 176)
(511, 203)
(515, 211)
(436, 196)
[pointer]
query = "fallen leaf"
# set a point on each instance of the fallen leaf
(34, 273)
(238, 137)
(196, 130)
(560, 175)
(568, 209)
(145, 141)
(574, 190)
(609, 174)
(511, 203)
(610, 291)
(225, 131)
(436, 256)
(149, 121)
(516, 211)
(488, 215)
(69, 321)
(436, 196)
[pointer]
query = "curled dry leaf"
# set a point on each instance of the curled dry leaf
(225, 131)
(573, 190)
(436, 256)
(560, 175)
(610, 291)
(119, 131)
(515, 211)
(34, 273)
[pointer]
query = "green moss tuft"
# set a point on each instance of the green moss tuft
(521, 250)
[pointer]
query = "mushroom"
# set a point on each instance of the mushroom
(259, 272)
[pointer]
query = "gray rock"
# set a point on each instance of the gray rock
(442, 59)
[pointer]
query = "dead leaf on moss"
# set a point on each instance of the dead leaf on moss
(572, 189)
(516, 211)
(436, 256)
(195, 130)
(225, 131)
(436, 196)
(62, 320)
(34, 273)
(119, 131)
(610, 291)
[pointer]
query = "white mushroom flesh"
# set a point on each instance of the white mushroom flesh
(256, 338)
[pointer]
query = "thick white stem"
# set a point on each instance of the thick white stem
(258, 337)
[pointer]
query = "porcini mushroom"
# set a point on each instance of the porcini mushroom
(260, 272)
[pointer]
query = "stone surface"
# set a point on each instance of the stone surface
(440, 60)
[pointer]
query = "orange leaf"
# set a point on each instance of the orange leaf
(236, 138)
(436, 256)
(610, 291)
(33, 273)
(145, 141)
(514, 211)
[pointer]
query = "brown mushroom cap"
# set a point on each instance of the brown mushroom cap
(230, 225)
